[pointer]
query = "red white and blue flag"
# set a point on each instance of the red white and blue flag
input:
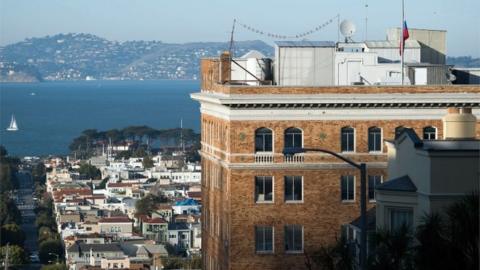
(405, 36)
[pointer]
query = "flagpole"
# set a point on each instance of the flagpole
(403, 38)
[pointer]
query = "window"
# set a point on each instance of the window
(348, 139)
(263, 140)
(398, 131)
(263, 239)
(263, 189)
(429, 133)
(294, 238)
(374, 139)
(373, 181)
(293, 188)
(348, 187)
(400, 217)
(293, 137)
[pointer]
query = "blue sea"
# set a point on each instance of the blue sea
(50, 114)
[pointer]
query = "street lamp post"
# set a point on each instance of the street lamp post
(290, 151)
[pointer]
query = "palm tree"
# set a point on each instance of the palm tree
(393, 249)
(452, 239)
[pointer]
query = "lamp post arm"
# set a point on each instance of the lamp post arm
(356, 165)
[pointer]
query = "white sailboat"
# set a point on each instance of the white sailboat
(13, 124)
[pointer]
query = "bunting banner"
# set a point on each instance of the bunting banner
(278, 36)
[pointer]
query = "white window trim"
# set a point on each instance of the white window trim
(273, 190)
(381, 141)
(303, 135)
(303, 194)
(436, 132)
(381, 182)
(273, 242)
(354, 189)
(354, 140)
(303, 242)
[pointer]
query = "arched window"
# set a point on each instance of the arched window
(429, 133)
(263, 140)
(399, 130)
(348, 139)
(293, 137)
(374, 139)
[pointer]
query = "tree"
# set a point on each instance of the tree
(3, 151)
(9, 212)
(147, 162)
(16, 255)
(39, 173)
(147, 204)
(451, 239)
(13, 234)
(45, 220)
(45, 233)
(89, 171)
(48, 249)
(393, 249)
(333, 257)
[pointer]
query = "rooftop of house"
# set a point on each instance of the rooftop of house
(117, 219)
(186, 202)
(403, 183)
(85, 248)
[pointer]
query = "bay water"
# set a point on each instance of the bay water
(50, 114)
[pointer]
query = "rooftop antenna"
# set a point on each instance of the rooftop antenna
(366, 20)
(231, 38)
(347, 28)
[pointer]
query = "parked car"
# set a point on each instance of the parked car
(34, 258)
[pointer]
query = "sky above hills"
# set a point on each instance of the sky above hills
(211, 20)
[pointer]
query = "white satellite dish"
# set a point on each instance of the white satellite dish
(347, 28)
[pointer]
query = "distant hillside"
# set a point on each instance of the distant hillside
(464, 61)
(85, 56)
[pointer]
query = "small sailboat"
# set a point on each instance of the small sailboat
(13, 124)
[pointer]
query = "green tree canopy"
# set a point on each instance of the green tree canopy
(16, 255)
(147, 204)
(89, 171)
(48, 248)
(9, 212)
(147, 162)
(13, 234)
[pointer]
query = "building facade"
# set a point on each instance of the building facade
(264, 210)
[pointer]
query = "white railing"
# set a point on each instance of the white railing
(297, 158)
(264, 158)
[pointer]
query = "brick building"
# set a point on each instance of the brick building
(264, 210)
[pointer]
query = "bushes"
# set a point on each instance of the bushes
(48, 248)
(12, 234)
(16, 255)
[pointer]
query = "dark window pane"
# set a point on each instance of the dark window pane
(268, 189)
(268, 239)
(298, 188)
(298, 243)
(347, 139)
(263, 140)
(288, 188)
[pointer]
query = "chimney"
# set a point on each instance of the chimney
(459, 123)
(225, 67)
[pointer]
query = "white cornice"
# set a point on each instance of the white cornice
(378, 98)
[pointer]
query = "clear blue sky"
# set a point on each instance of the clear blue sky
(211, 20)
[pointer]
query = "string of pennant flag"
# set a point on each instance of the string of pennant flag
(277, 36)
